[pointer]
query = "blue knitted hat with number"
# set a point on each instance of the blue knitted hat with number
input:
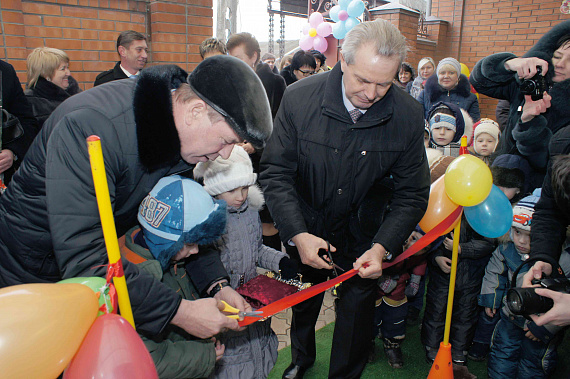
(179, 211)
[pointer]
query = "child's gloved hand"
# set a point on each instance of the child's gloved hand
(413, 286)
(444, 264)
(288, 268)
(387, 283)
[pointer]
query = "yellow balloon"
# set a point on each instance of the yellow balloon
(465, 69)
(42, 326)
(468, 180)
(313, 32)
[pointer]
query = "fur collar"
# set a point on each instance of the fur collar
(434, 90)
(255, 197)
(50, 91)
(157, 137)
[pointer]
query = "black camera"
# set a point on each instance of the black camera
(525, 301)
(535, 86)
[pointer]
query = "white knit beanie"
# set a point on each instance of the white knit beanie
(224, 175)
(423, 62)
(449, 60)
(486, 125)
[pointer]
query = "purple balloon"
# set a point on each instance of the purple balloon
(315, 19)
(342, 15)
(306, 42)
(320, 44)
(324, 29)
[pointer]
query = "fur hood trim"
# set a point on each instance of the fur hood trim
(255, 197)
(434, 90)
(157, 137)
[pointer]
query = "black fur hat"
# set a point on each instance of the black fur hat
(157, 136)
(511, 171)
(233, 89)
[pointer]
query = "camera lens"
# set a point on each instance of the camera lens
(525, 301)
(514, 302)
(528, 87)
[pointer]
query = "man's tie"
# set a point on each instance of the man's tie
(355, 114)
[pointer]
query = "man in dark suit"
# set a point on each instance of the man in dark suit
(133, 50)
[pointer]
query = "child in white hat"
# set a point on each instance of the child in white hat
(252, 352)
(485, 138)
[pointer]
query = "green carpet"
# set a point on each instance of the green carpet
(415, 365)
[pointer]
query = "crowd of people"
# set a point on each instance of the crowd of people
(252, 162)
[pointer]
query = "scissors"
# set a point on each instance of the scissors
(327, 253)
(236, 313)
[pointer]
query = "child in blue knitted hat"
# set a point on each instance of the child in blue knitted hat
(176, 218)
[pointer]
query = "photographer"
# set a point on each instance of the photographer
(531, 123)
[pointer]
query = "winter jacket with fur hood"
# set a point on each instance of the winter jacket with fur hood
(45, 96)
(318, 165)
(461, 95)
(530, 139)
(250, 353)
(51, 204)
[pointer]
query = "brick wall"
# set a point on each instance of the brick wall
(87, 31)
(478, 28)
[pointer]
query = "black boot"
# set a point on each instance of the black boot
(393, 350)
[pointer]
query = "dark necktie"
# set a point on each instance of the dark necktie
(355, 114)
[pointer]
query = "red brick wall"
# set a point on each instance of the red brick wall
(87, 31)
(492, 26)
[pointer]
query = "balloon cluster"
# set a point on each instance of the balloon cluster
(314, 33)
(56, 325)
(345, 16)
(468, 182)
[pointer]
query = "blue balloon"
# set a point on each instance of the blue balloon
(493, 217)
(344, 3)
(333, 13)
(339, 31)
(355, 8)
(350, 23)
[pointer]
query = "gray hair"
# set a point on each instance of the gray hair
(386, 38)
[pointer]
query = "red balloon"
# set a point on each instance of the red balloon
(112, 349)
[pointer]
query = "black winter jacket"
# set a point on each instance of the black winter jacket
(551, 219)
(116, 73)
(288, 75)
(16, 103)
(318, 166)
(45, 96)
(530, 139)
(49, 219)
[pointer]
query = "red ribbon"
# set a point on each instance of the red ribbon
(296, 298)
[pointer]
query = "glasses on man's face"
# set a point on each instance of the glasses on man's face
(306, 73)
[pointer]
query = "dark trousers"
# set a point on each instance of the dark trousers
(353, 327)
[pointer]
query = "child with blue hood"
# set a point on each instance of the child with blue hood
(176, 218)
(447, 124)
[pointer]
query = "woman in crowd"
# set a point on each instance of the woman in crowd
(426, 68)
(302, 66)
(531, 124)
(49, 81)
(404, 76)
(451, 86)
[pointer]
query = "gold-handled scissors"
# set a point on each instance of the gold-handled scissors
(237, 314)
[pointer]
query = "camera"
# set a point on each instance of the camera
(525, 301)
(535, 86)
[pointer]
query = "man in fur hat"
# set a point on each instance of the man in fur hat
(337, 134)
(159, 124)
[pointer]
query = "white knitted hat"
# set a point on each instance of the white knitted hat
(223, 175)
(486, 125)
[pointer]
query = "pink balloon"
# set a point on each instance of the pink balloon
(306, 42)
(112, 349)
(315, 19)
(342, 15)
(306, 28)
(324, 29)
(320, 44)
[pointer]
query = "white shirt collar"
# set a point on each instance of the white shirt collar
(128, 73)
(347, 104)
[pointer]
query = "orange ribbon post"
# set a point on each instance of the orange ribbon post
(108, 225)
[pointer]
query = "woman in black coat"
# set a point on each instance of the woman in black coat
(49, 81)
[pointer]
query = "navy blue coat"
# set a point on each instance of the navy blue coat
(461, 96)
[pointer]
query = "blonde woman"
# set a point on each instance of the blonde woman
(49, 81)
